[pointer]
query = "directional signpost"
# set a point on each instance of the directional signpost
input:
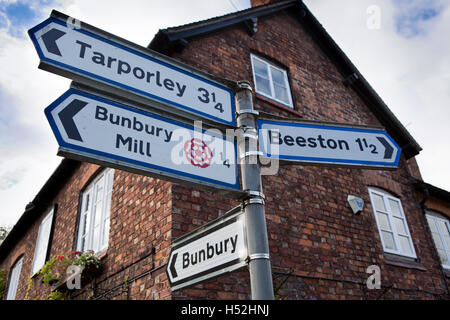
(213, 249)
(97, 130)
(336, 144)
(101, 130)
(85, 53)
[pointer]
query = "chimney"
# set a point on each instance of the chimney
(256, 3)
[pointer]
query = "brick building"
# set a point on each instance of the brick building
(319, 248)
(435, 204)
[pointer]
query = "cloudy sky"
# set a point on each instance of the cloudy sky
(400, 46)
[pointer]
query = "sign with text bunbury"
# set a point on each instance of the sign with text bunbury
(83, 52)
(325, 143)
(213, 249)
(97, 130)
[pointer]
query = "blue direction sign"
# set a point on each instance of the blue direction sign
(90, 55)
(97, 130)
(337, 144)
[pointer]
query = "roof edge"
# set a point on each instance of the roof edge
(176, 38)
(177, 35)
(356, 80)
(432, 190)
(58, 177)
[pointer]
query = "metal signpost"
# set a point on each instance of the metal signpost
(95, 57)
(255, 220)
(215, 248)
(331, 144)
(110, 125)
(97, 130)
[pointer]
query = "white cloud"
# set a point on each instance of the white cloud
(411, 75)
(27, 145)
(409, 71)
(9, 178)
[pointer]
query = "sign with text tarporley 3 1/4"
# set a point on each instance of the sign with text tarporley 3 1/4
(85, 53)
(98, 130)
(324, 143)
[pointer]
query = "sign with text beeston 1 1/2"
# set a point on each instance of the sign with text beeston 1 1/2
(324, 143)
(97, 130)
(81, 52)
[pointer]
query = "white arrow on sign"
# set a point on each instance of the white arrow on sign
(336, 144)
(97, 130)
(213, 249)
(85, 52)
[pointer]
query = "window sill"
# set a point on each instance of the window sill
(102, 254)
(404, 262)
(278, 105)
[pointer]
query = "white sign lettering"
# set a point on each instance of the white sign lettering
(219, 248)
(102, 130)
(91, 54)
(324, 143)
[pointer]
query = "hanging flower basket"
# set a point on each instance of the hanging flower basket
(54, 270)
(86, 259)
(89, 262)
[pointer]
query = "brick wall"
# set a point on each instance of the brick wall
(436, 204)
(255, 3)
(139, 239)
(63, 234)
(442, 207)
(319, 248)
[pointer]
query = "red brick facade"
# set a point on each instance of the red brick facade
(316, 242)
(319, 248)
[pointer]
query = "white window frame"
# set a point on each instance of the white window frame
(14, 277)
(396, 234)
(42, 242)
(93, 229)
(269, 65)
(439, 218)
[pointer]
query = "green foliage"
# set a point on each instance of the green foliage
(30, 286)
(3, 233)
(86, 259)
(54, 269)
(53, 273)
(56, 295)
(2, 283)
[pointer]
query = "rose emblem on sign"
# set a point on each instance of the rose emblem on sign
(198, 153)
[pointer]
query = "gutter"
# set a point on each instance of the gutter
(354, 79)
(175, 39)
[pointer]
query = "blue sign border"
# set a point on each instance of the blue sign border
(260, 122)
(43, 24)
(64, 144)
